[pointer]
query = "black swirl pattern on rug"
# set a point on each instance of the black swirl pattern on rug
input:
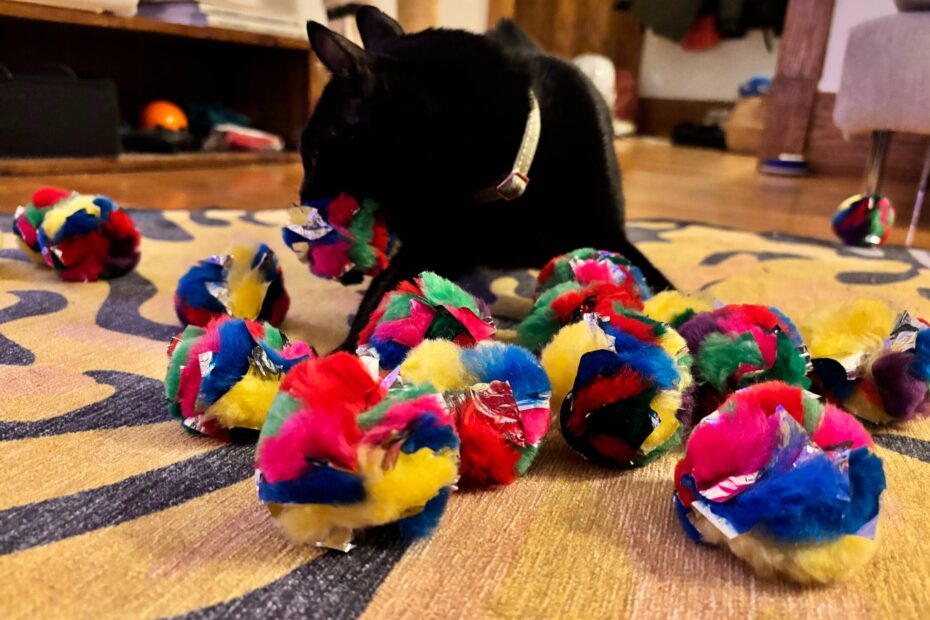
(12, 254)
(334, 585)
(13, 354)
(637, 233)
(153, 224)
(249, 218)
(877, 278)
(202, 217)
(137, 400)
(908, 446)
(120, 310)
(40, 523)
(31, 303)
(718, 257)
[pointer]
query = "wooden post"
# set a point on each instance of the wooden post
(800, 63)
(499, 9)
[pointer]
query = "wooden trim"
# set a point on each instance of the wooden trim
(37, 12)
(139, 162)
(800, 63)
(658, 117)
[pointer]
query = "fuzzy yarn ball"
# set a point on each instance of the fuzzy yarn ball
(789, 485)
(567, 303)
(740, 344)
(864, 220)
(629, 379)
(339, 238)
(340, 452)
(498, 396)
(676, 308)
(246, 282)
(579, 282)
(28, 219)
(222, 380)
(587, 265)
(83, 237)
(427, 308)
(872, 360)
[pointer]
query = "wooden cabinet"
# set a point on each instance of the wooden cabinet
(265, 77)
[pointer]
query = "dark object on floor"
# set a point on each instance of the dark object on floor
(204, 117)
(704, 136)
(427, 121)
(57, 116)
(159, 140)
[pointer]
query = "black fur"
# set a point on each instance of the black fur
(422, 122)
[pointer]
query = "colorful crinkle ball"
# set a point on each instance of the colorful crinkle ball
(339, 452)
(629, 378)
(577, 283)
(427, 308)
(245, 282)
(791, 486)
(82, 236)
(222, 380)
(339, 238)
(864, 220)
(27, 220)
(740, 344)
(567, 303)
(871, 359)
(587, 265)
(498, 396)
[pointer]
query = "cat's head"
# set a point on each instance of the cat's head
(341, 142)
(402, 112)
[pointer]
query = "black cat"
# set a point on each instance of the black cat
(425, 122)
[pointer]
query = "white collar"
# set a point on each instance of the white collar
(514, 183)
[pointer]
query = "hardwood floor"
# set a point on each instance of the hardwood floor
(725, 189)
(660, 181)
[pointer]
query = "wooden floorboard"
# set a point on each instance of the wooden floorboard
(660, 181)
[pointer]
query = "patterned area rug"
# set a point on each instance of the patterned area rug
(109, 509)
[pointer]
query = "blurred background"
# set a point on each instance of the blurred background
(127, 85)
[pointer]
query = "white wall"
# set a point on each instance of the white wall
(669, 72)
(846, 14)
(465, 14)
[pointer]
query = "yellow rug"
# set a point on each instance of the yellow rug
(109, 509)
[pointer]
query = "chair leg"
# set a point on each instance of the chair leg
(919, 201)
(876, 163)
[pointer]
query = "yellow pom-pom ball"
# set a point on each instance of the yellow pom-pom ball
(674, 308)
(561, 356)
(439, 363)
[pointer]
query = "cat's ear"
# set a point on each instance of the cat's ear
(376, 26)
(342, 57)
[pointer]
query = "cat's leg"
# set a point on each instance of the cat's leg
(405, 265)
(656, 279)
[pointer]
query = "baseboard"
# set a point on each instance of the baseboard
(658, 117)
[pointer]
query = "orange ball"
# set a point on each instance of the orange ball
(163, 114)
